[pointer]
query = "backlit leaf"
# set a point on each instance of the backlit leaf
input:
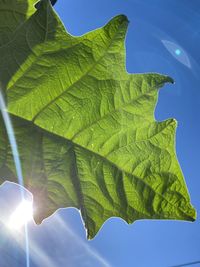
(85, 128)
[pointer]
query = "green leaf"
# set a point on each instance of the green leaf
(85, 128)
(12, 16)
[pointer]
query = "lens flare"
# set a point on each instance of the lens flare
(177, 52)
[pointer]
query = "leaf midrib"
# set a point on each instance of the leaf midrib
(83, 76)
(123, 171)
(113, 111)
(136, 177)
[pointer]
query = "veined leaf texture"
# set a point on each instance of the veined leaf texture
(85, 128)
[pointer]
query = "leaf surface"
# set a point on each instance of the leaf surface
(85, 128)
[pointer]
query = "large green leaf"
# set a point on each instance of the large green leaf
(85, 128)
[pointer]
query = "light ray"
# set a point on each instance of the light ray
(65, 227)
(15, 153)
(37, 255)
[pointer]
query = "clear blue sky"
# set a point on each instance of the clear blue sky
(164, 37)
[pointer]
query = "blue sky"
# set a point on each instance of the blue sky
(164, 37)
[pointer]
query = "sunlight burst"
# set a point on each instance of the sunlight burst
(22, 215)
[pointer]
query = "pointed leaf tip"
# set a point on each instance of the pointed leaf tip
(119, 20)
(170, 80)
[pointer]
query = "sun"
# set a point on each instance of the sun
(21, 216)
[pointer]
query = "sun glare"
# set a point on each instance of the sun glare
(22, 215)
